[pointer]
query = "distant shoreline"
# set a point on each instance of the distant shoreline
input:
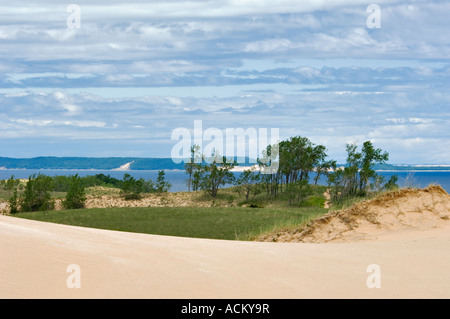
(236, 169)
(413, 170)
(89, 169)
(150, 164)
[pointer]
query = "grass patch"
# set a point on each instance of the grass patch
(231, 223)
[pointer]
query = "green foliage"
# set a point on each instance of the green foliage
(102, 180)
(76, 195)
(193, 166)
(196, 180)
(161, 185)
(37, 196)
(298, 191)
(11, 185)
(315, 201)
(358, 176)
(369, 157)
(13, 202)
(208, 174)
(216, 174)
(392, 183)
(61, 183)
(131, 188)
(248, 184)
(257, 203)
(323, 168)
(298, 158)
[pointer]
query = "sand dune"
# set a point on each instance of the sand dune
(35, 257)
(396, 211)
(124, 167)
(411, 251)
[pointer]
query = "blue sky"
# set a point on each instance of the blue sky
(134, 71)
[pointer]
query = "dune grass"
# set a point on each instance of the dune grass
(231, 223)
(228, 216)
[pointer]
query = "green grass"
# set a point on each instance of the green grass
(232, 223)
(217, 222)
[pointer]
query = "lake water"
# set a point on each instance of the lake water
(178, 178)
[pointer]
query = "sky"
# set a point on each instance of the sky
(117, 78)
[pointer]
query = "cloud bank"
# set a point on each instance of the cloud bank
(134, 71)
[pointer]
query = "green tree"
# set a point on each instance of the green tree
(248, 184)
(11, 184)
(76, 195)
(336, 184)
(13, 203)
(131, 188)
(354, 179)
(37, 196)
(269, 165)
(61, 183)
(196, 179)
(323, 168)
(369, 157)
(161, 185)
(147, 186)
(351, 170)
(297, 158)
(298, 191)
(216, 174)
(193, 165)
(391, 183)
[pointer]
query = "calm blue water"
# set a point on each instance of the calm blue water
(178, 178)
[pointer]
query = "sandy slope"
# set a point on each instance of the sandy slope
(389, 213)
(35, 256)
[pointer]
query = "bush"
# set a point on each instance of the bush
(298, 191)
(254, 203)
(36, 196)
(13, 203)
(248, 184)
(391, 183)
(315, 201)
(76, 195)
(131, 188)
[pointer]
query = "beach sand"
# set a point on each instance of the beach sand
(405, 235)
(36, 256)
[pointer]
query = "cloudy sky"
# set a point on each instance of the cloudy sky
(120, 80)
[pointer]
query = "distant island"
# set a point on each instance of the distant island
(136, 163)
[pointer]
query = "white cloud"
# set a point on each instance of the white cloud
(310, 67)
(84, 124)
(72, 109)
(33, 122)
(270, 45)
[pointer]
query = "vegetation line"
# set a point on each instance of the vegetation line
(259, 201)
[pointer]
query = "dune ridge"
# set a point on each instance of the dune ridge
(414, 260)
(404, 209)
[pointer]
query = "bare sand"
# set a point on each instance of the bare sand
(406, 235)
(387, 214)
(35, 256)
